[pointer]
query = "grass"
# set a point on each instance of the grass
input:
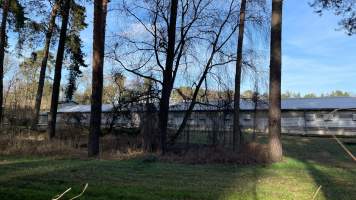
(308, 163)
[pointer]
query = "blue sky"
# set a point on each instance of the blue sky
(316, 57)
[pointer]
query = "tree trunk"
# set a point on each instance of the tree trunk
(167, 77)
(58, 71)
(44, 62)
(100, 11)
(255, 105)
(149, 128)
(149, 124)
(275, 145)
(2, 52)
(237, 134)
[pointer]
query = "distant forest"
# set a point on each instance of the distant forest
(335, 93)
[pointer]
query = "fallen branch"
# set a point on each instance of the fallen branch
(316, 192)
(61, 195)
(337, 140)
(85, 187)
(345, 148)
(79, 195)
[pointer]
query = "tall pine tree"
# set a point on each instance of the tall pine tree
(100, 11)
(18, 20)
(274, 117)
(58, 70)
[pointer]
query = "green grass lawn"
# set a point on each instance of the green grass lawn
(308, 163)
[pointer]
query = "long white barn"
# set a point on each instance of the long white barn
(311, 116)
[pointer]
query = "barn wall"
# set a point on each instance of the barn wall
(83, 119)
(293, 122)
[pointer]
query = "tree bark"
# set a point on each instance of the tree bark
(5, 13)
(167, 77)
(44, 62)
(149, 124)
(52, 118)
(100, 11)
(237, 138)
(275, 145)
(255, 105)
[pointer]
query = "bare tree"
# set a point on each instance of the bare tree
(274, 131)
(221, 54)
(52, 118)
(204, 36)
(170, 34)
(220, 35)
(100, 12)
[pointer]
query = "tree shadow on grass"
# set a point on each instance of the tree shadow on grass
(308, 164)
(132, 179)
(35, 178)
(136, 179)
(327, 164)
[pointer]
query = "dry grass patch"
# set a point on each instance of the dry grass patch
(68, 143)
(35, 144)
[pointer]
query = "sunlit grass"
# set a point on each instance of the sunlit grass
(308, 163)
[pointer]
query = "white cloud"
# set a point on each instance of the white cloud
(135, 30)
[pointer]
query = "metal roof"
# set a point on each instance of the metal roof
(322, 103)
(82, 108)
(245, 104)
(70, 108)
(325, 103)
